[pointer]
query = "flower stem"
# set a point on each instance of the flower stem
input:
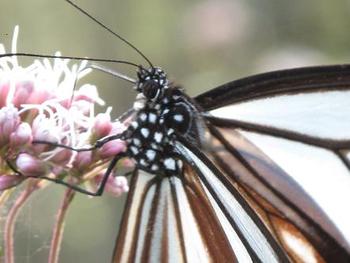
(59, 226)
(11, 220)
(4, 195)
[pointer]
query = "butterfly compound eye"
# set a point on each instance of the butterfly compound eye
(151, 89)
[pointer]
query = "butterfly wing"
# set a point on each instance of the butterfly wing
(293, 150)
(167, 221)
(186, 219)
(307, 105)
(234, 201)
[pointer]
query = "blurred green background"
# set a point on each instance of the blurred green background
(201, 44)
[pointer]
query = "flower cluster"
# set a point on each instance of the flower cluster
(42, 103)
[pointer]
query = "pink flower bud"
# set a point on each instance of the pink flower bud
(42, 130)
(62, 157)
(102, 125)
(8, 181)
(83, 106)
(29, 165)
(39, 96)
(24, 89)
(88, 93)
(115, 185)
(66, 103)
(82, 160)
(127, 163)
(111, 149)
(9, 120)
(117, 128)
(4, 90)
(22, 135)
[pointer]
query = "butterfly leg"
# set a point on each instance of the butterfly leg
(97, 145)
(100, 187)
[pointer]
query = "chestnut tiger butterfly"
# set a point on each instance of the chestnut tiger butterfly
(217, 177)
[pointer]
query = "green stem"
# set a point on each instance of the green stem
(11, 220)
(59, 226)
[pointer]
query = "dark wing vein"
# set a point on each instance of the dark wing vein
(291, 81)
(274, 194)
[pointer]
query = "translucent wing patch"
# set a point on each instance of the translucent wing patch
(286, 206)
(234, 213)
(305, 104)
(323, 114)
(167, 221)
(316, 170)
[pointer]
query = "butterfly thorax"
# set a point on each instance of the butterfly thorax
(161, 115)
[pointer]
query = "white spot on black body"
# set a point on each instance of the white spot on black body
(143, 116)
(152, 118)
(165, 114)
(158, 136)
(170, 164)
(151, 154)
(178, 117)
(145, 132)
(137, 141)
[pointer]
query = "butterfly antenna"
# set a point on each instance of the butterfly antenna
(111, 31)
(68, 57)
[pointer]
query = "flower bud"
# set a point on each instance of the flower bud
(88, 93)
(62, 157)
(111, 149)
(9, 120)
(24, 89)
(30, 166)
(102, 125)
(4, 90)
(8, 181)
(82, 160)
(115, 185)
(43, 130)
(22, 135)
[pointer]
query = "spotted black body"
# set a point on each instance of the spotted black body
(162, 112)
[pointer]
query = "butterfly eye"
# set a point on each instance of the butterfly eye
(151, 89)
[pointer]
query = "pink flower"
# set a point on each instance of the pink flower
(4, 90)
(21, 136)
(88, 93)
(9, 121)
(62, 157)
(39, 115)
(30, 166)
(103, 125)
(111, 149)
(115, 185)
(82, 160)
(24, 89)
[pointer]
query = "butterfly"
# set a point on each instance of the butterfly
(218, 197)
(216, 175)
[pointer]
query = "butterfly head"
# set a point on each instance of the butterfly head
(151, 83)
